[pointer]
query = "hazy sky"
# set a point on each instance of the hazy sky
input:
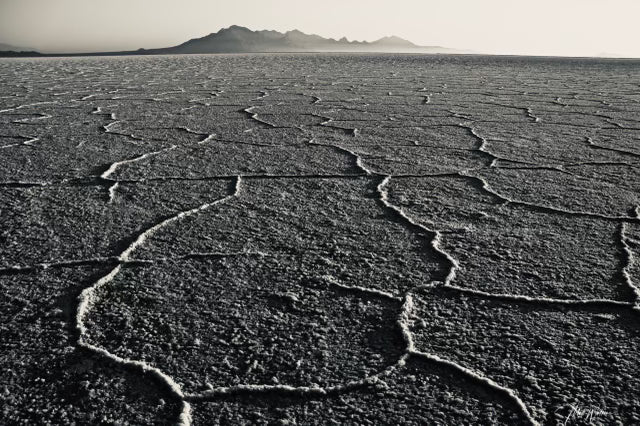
(543, 27)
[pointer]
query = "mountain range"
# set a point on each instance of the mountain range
(237, 39)
(8, 47)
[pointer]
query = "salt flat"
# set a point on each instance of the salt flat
(319, 239)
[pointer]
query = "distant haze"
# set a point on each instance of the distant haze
(540, 27)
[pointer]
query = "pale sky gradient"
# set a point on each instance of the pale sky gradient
(539, 27)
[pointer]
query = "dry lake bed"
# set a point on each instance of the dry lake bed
(319, 239)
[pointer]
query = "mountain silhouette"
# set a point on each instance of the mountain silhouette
(10, 48)
(237, 39)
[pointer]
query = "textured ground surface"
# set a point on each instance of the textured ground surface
(269, 239)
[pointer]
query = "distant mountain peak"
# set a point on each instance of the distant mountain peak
(236, 28)
(394, 41)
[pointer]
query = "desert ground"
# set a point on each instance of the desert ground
(319, 239)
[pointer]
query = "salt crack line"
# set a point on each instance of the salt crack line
(11, 145)
(530, 166)
(257, 389)
(88, 298)
(30, 141)
(600, 163)
(358, 159)
(17, 269)
(558, 101)
(297, 390)
(436, 235)
(327, 123)
(404, 322)
(254, 116)
(98, 111)
(455, 265)
(482, 144)
(107, 127)
(539, 207)
(172, 92)
(142, 238)
(261, 95)
(112, 192)
(41, 116)
(112, 168)
(27, 105)
(26, 184)
(207, 137)
(590, 142)
(114, 121)
(527, 110)
(216, 255)
(482, 147)
(486, 381)
(185, 418)
(530, 115)
(190, 107)
(628, 263)
(360, 289)
(536, 299)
